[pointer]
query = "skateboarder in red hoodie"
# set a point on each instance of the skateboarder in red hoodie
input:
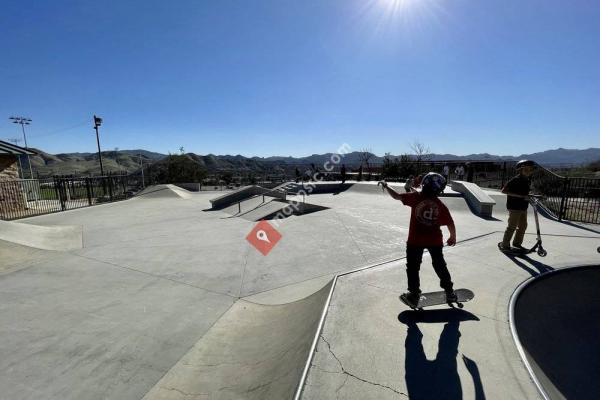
(428, 214)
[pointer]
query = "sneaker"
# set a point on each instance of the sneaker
(411, 297)
(503, 247)
(451, 297)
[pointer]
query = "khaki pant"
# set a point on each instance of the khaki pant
(517, 221)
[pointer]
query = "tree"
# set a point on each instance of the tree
(227, 177)
(421, 154)
(175, 169)
(365, 155)
(391, 167)
(407, 166)
(420, 151)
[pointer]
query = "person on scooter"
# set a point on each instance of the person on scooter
(517, 201)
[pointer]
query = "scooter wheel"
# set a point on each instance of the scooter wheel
(542, 252)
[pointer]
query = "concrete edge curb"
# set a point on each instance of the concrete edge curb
(511, 318)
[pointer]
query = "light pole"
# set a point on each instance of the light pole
(24, 121)
(97, 123)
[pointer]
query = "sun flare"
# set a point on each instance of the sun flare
(395, 6)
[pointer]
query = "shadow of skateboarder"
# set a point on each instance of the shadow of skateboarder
(438, 378)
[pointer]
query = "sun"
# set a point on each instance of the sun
(396, 6)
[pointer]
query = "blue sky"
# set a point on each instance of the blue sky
(282, 77)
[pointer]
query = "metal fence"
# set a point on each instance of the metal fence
(573, 199)
(28, 197)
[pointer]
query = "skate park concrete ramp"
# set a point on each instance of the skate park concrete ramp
(168, 299)
(265, 207)
(56, 237)
(556, 324)
(164, 191)
(265, 347)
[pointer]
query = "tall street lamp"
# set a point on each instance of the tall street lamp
(97, 123)
(24, 121)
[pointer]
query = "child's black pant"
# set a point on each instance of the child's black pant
(414, 256)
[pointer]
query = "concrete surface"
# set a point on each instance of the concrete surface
(556, 321)
(75, 328)
(57, 237)
(157, 275)
(232, 361)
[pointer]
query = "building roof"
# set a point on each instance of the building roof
(8, 148)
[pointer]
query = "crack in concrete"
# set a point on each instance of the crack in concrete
(351, 236)
(349, 374)
(193, 395)
(243, 272)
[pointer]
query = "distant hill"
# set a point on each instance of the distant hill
(87, 163)
(128, 161)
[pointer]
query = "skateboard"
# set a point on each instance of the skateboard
(439, 298)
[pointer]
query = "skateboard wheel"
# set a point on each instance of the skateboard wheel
(460, 305)
(542, 252)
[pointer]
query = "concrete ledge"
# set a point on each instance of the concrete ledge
(62, 238)
(479, 201)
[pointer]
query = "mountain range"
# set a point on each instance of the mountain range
(130, 160)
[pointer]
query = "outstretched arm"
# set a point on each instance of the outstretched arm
(391, 191)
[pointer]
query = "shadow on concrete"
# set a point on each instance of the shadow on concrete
(556, 320)
(342, 188)
(534, 268)
(437, 379)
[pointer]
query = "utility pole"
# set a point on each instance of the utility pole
(97, 123)
(142, 167)
(24, 121)
(16, 141)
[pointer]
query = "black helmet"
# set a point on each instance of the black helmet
(525, 163)
(433, 183)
